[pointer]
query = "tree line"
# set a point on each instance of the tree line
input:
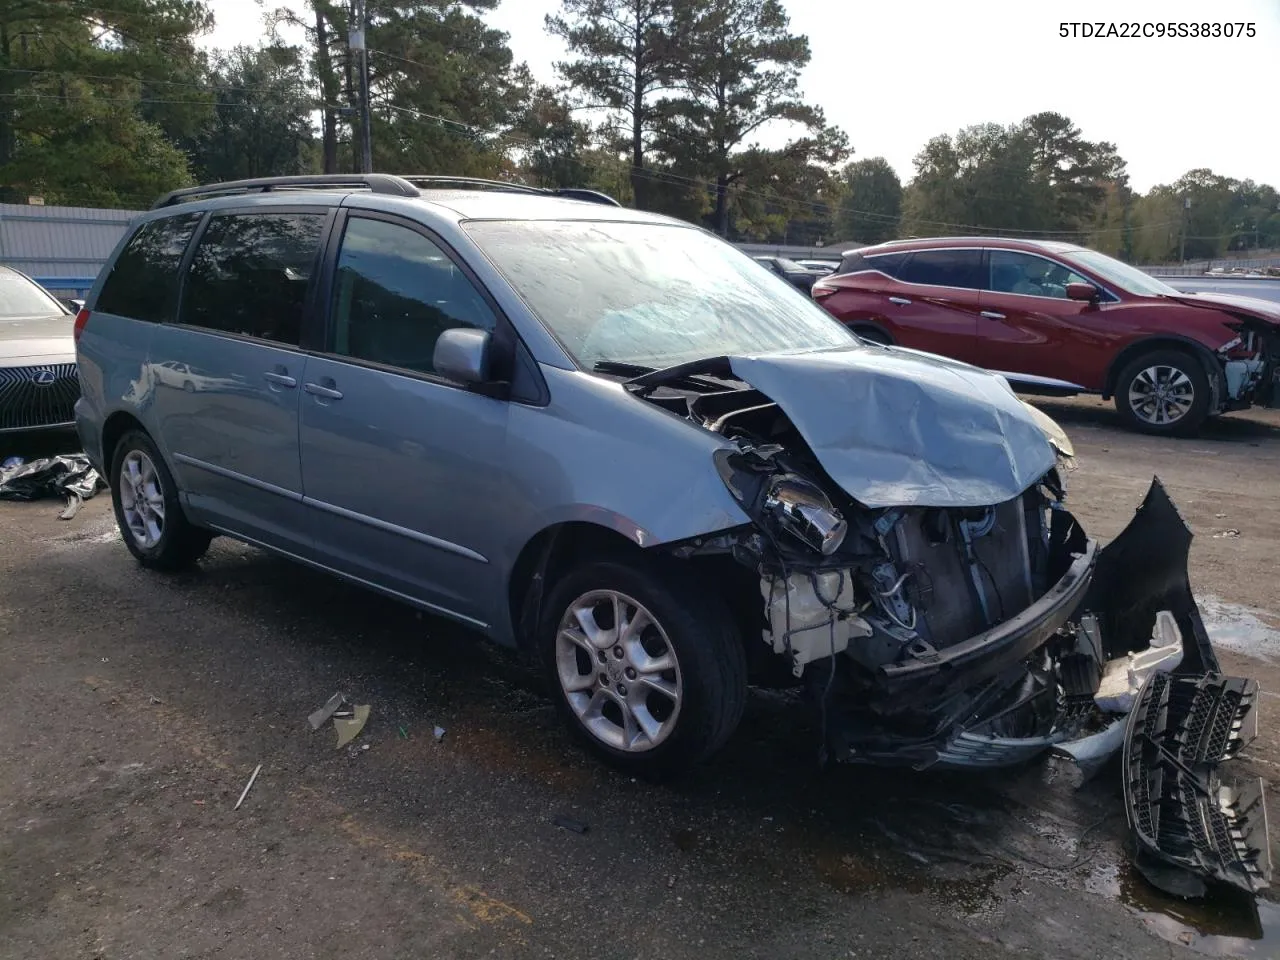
(660, 103)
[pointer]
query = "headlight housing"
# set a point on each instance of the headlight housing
(799, 507)
(1056, 436)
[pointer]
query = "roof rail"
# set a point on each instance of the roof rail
(571, 193)
(590, 196)
(442, 182)
(374, 182)
(384, 183)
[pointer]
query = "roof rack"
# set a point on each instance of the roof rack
(569, 193)
(384, 183)
(374, 182)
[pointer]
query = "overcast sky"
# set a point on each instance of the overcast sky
(894, 74)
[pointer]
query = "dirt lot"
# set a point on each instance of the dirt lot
(134, 707)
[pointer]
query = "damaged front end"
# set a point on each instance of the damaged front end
(943, 632)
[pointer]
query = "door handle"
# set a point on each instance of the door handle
(280, 379)
(901, 301)
(992, 315)
(318, 390)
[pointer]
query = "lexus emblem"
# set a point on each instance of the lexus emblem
(44, 378)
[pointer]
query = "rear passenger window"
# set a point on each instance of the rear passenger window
(887, 263)
(944, 268)
(250, 272)
(396, 292)
(143, 282)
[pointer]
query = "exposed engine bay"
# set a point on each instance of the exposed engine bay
(981, 635)
(1248, 368)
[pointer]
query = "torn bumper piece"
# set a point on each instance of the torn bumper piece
(1185, 819)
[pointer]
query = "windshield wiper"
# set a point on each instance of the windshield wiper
(622, 367)
(645, 379)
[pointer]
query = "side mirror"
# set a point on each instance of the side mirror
(1082, 291)
(71, 304)
(462, 354)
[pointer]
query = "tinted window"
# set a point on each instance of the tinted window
(944, 268)
(887, 263)
(143, 281)
(250, 272)
(1014, 272)
(396, 292)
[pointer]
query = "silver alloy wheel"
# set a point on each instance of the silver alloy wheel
(141, 499)
(618, 671)
(1161, 395)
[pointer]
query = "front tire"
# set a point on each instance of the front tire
(647, 671)
(1164, 392)
(147, 509)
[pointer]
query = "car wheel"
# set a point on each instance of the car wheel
(874, 335)
(648, 672)
(150, 518)
(1165, 392)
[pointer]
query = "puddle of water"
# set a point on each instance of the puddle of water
(99, 530)
(1225, 924)
(1241, 629)
(969, 894)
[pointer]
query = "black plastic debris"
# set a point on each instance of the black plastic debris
(69, 477)
(568, 823)
(1144, 571)
(1189, 822)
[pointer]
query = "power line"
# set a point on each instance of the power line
(142, 80)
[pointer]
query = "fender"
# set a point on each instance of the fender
(1212, 366)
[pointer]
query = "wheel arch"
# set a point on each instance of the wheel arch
(1152, 344)
(547, 554)
(872, 326)
(113, 430)
(557, 548)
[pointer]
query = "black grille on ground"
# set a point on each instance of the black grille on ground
(38, 396)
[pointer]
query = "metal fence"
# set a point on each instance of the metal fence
(61, 248)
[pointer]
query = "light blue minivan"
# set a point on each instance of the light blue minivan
(603, 436)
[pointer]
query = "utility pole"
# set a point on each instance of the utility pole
(1182, 242)
(356, 44)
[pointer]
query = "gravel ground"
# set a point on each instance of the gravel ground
(135, 706)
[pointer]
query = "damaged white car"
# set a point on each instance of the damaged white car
(610, 438)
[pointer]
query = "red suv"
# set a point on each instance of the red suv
(1060, 319)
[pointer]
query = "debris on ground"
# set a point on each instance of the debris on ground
(349, 728)
(247, 786)
(1226, 534)
(1190, 823)
(348, 718)
(568, 823)
(332, 706)
(438, 733)
(69, 477)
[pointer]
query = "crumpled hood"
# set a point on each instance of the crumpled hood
(36, 338)
(1262, 309)
(900, 428)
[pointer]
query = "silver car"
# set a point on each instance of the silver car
(609, 439)
(38, 383)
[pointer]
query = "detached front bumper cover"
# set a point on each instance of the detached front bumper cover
(1188, 822)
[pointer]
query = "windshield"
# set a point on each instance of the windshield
(20, 297)
(650, 294)
(1127, 278)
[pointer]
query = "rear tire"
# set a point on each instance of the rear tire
(150, 517)
(651, 701)
(1164, 392)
